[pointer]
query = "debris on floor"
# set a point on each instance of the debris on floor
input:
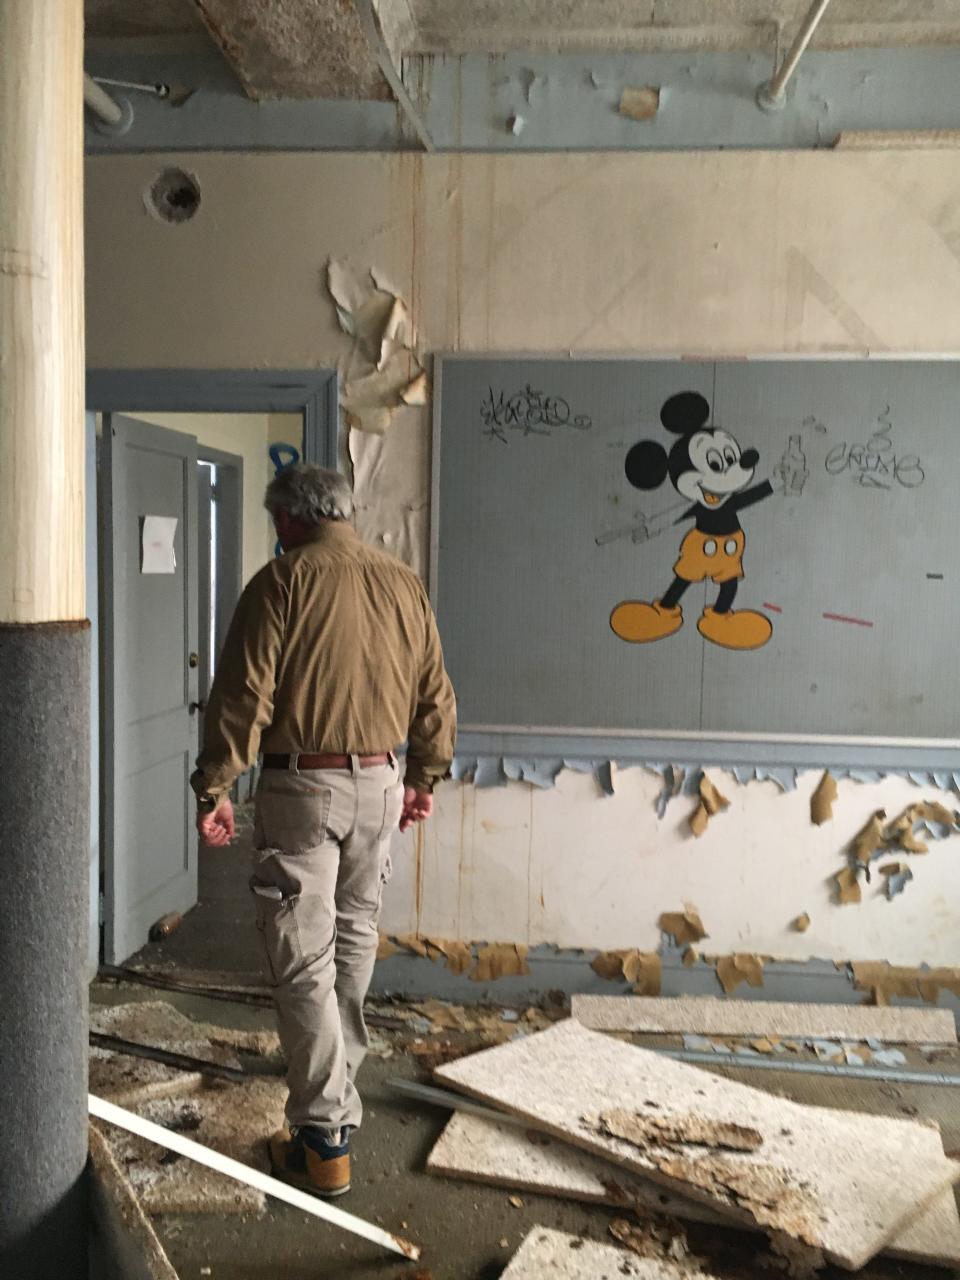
(120, 1224)
(566, 1257)
(789, 1184)
(708, 1015)
(233, 1119)
(498, 1152)
(674, 1160)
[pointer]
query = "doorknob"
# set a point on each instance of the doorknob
(194, 707)
(194, 660)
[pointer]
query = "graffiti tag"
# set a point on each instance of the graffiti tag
(529, 412)
(875, 465)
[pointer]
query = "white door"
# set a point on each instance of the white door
(150, 673)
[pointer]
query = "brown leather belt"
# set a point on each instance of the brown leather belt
(323, 761)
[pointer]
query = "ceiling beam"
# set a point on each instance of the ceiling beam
(300, 49)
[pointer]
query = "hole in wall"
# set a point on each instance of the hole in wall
(173, 196)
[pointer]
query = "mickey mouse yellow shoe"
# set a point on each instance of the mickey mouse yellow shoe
(738, 629)
(305, 1159)
(640, 623)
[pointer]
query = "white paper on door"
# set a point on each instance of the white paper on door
(157, 554)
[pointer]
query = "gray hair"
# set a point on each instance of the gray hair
(309, 494)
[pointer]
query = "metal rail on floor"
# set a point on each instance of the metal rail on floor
(888, 1076)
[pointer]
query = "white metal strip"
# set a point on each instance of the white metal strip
(124, 1119)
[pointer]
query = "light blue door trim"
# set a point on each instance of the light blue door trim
(312, 392)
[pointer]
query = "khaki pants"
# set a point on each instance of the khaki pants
(321, 860)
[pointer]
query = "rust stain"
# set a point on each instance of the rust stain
(418, 850)
(415, 233)
(463, 825)
(491, 185)
(408, 1250)
(530, 864)
(459, 250)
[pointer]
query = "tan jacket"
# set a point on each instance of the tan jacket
(333, 648)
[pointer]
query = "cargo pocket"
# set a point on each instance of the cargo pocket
(386, 871)
(278, 932)
(292, 821)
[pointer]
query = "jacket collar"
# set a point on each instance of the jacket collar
(332, 531)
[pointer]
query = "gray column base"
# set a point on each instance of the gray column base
(44, 829)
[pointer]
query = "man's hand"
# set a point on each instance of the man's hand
(216, 828)
(417, 805)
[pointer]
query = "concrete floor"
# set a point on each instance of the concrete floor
(466, 1231)
(460, 1226)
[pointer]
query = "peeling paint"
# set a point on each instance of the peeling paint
(382, 371)
(682, 780)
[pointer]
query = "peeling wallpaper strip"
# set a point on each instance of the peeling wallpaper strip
(496, 771)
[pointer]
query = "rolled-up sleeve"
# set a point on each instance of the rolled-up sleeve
(241, 701)
(433, 730)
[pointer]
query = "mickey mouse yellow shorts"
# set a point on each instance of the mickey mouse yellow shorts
(715, 556)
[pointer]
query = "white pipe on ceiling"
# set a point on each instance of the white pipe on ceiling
(100, 102)
(772, 95)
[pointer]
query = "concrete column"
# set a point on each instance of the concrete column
(44, 671)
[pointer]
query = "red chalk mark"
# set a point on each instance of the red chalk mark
(774, 608)
(840, 617)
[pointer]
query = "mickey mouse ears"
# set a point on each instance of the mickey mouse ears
(685, 413)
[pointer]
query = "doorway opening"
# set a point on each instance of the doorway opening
(189, 466)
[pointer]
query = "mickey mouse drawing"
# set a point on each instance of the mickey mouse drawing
(706, 465)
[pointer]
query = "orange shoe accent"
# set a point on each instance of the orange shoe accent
(297, 1164)
(640, 623)
(328, 1178)
(739, 629)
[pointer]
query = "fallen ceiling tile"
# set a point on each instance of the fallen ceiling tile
(711, 1016)
(545, 1252)
(505, 1155)
(792, 1186)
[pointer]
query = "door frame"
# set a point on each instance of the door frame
(230, 545)
(313, 393)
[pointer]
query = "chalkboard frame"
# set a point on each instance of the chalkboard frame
(526, 741)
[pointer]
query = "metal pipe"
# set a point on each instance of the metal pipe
(810, 1068)
(771, 96)
(182, 1061)
(100, 102)
(435, 1097)
(158, 89)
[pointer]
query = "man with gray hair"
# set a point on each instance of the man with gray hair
(332, 661)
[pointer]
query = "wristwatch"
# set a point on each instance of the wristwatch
(206, 803)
